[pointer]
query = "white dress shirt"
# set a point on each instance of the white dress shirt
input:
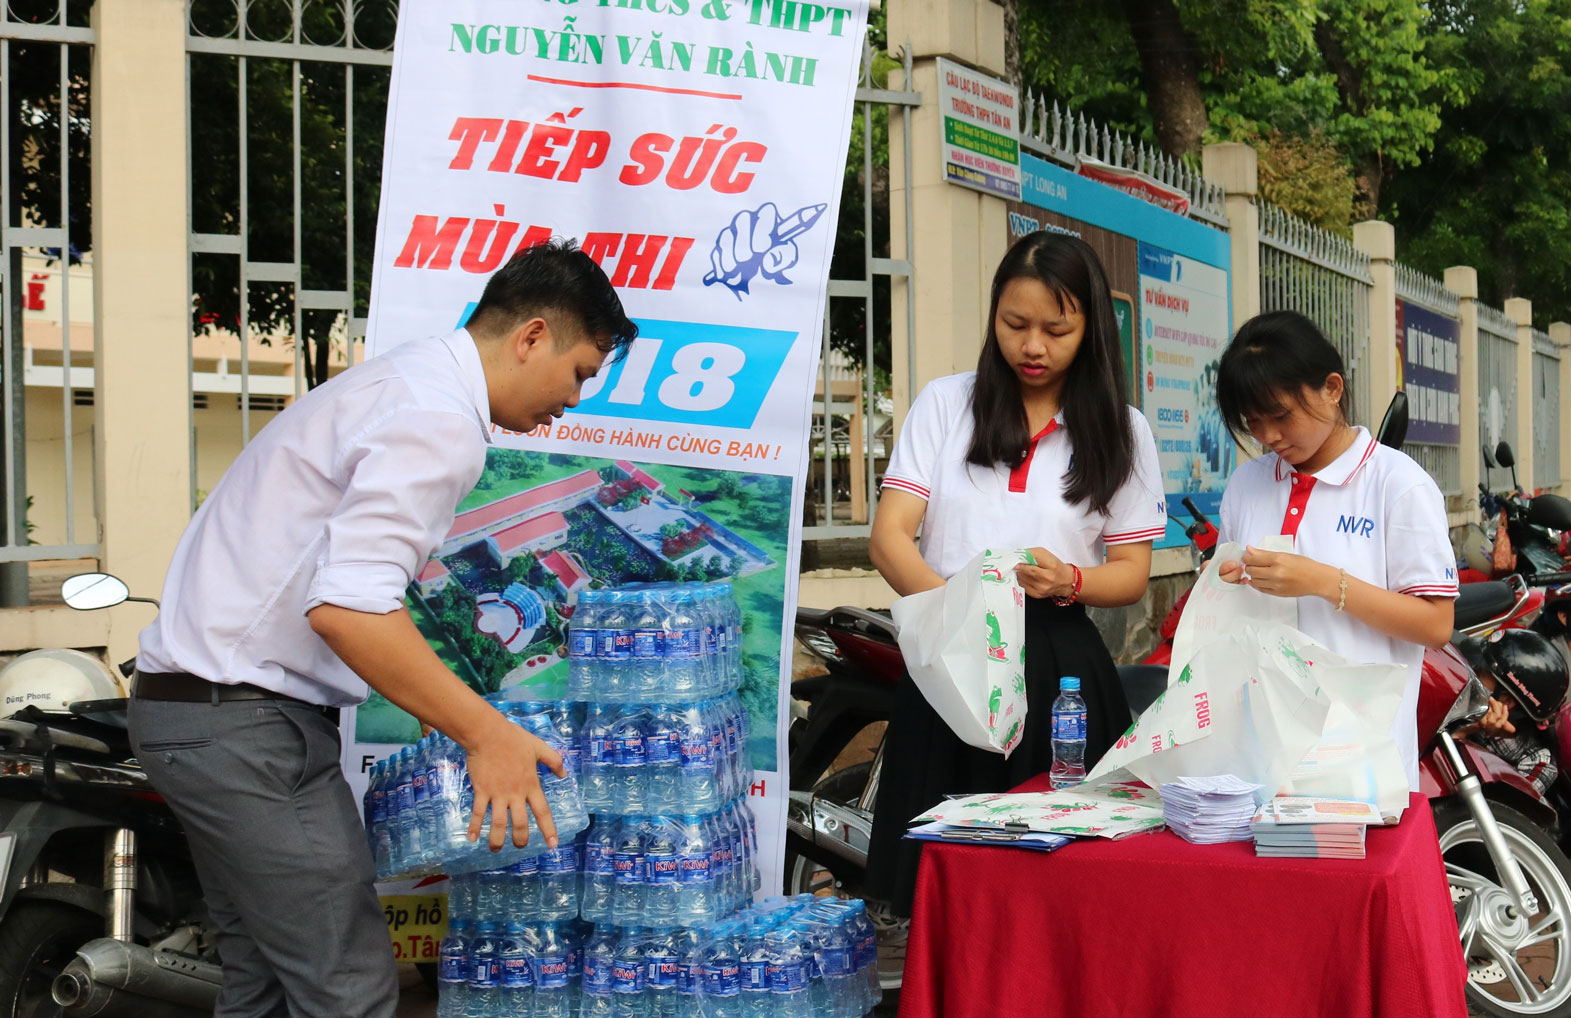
(341, 500)
(971, 508)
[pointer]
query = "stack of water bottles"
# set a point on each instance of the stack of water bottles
(419, 802)
(784, 958)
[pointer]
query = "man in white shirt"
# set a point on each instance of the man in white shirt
(284, 601)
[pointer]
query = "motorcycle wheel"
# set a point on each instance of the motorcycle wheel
(1520, 965)
(37, 940)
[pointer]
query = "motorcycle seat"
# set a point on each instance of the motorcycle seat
(1480, 602)
(1142, 685)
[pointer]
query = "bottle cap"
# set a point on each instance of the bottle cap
(1069, 684)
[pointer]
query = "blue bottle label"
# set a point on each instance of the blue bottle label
(789, 977)
(663, 971)
(629, 868)
(755, 976)
(453, 968)
(516, 974)
(600, 750)
(622, 644)
(627, 976)
(662, 749)
(834, 961)
(445, 779)
(526, 867)
(663, 868)
(723, 978)
(606, 641)
(597, 976)
(573, 758)
(581, 642)
(688, 978)
(550, 973)
(683, 644)
(695, 753)
(563, 859)
(631, 750)
(867, 950)
(378, 807)
(648, 643)
(406, 795)
(695, 867)
(1069, 725)
(599, 859)
(711, 640)
(485, 973)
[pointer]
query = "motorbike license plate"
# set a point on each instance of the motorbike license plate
(416, 923)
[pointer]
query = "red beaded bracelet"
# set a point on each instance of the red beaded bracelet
(1074, 594)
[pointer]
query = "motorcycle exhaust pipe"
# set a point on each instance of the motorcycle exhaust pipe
(113, 979)
(843, 830)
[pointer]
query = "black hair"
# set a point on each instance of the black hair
(1095, 392)
(1274, 357)
(555, 277)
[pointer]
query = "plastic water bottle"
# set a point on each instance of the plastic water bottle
(569, 728)
(522, 898)
(380, 829)
(790, 973)
(461, 898)
(689, 973)
(597, 901)
(583, 634)
(616, 648)
(1069, 735)
(631, 874)
(629, 976)
(651, 620)
(406, 836)
(452, 970)
(577, 934)
(663, 866)
(660, 949)
(685, 660)
(756, 999)
(696, 894)
(485, 974)
(722, 968)
(515, 994)
(629, 737)
(599, 758)
(599, 960)
(553, 995)
(720, 865)
(449, 823)
(491, 894)
(835, 966)
(696, 768)
(865, 954)
(559, 882)
(663, 755)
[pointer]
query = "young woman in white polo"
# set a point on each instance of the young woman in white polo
(1035, 449)
(1373, 570)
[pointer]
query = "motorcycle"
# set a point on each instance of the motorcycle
(1537, 530)
(101, 913)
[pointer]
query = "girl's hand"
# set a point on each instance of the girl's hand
(1050, 577)
(1282, 574)
(1230, 572)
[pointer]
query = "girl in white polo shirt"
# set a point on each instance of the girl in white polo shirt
(1374, 572)
(1035, 449)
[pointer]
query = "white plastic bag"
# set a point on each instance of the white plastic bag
(964, 646)
(1216, 607)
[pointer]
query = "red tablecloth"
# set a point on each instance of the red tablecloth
(1154, 927)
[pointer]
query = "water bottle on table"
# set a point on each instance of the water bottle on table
(1069, 735)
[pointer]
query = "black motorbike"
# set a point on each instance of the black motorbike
(1536, 525)
(101, 913)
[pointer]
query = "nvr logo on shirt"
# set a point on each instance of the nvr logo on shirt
(1362, 526)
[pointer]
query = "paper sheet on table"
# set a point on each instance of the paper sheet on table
(1109, 811)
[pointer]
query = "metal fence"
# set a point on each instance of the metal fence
(45, 70)
(1444, 462)
(1064, 137)
(1317, 273)
(1546, 411)
(1497, 395)
(287, 106)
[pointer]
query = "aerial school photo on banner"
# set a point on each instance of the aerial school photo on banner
(694, 148)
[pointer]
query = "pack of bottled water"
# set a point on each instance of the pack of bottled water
(664, 757)
(419, 803)
(665, 642)
(783, 958)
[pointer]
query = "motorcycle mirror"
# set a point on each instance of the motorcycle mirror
(1472, 703)
(1393, 429)
(1504, 456)
(1489, 458)
(91, 591)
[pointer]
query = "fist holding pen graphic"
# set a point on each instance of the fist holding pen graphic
(759, 242)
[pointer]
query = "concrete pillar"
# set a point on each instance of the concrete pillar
(1520, 311)
(960, 235)
(1560, 332)
(142, 391)
(1378, 241)
(1462, 280)
(1234, 166)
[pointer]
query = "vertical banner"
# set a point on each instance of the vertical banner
(695, 149)
(1428, 344)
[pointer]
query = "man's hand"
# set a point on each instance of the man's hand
(1050, 577)
(502, 769)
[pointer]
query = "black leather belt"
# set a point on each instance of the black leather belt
(183, 687)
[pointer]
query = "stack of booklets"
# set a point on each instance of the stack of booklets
(1211, 810)
(1313, 828)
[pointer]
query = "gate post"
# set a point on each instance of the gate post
(1235, 166)
(1520, 311)
(141, 309)
(1560, 333)
(1378, 241)
(1462, 280)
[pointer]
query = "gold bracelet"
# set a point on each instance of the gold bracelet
(1342, 601)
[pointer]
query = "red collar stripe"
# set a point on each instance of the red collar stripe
(1297, 503)
(1017, 476)
(910, 486)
